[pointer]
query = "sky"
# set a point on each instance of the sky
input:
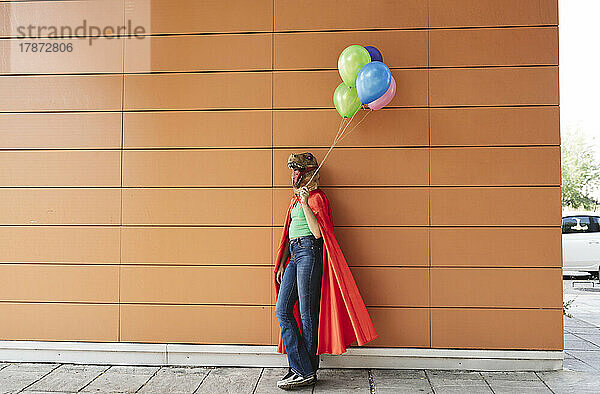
(579, 60)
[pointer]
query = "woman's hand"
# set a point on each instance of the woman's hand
(279, 275)
(284, 258)
(304, 195)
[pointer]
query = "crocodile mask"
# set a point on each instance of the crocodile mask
(303, 166)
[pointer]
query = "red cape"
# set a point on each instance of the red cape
(343, 317)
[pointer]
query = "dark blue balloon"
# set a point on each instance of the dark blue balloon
(376, 56)
(373, 81)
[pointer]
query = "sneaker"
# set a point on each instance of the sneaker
(286, 377)
(296, 381)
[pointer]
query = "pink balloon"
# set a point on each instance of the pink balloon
(386, 98)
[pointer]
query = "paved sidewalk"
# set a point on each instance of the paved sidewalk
(65, 378)
(581, 373)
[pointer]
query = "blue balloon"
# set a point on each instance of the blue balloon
(373, 81)
(376, 56)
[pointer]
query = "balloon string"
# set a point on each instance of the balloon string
(337, 137)
(343, 125)
(341, 130)
(355, 126)
(335, 141)
(342, 122)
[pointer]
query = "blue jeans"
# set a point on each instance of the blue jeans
(301, 281)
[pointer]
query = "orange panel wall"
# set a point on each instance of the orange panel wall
(143, 182)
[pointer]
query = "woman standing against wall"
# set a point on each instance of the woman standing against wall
(319, 307)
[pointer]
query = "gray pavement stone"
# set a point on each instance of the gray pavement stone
(175, 380)
(334, 380)
(569, 382)
(589, 312)
(17, 376)
(398, 374)
(573, 364)
(518, 376)
(515, 382)
(68, 378)
(460, 388)
(460, 382)
(403, 380)
(511, 387)
(589, 357)
(575, 322)
(121, 379)
(580, 344)
(268, 382)
(407, 387)
(593, 338)
(47, 392)
(230, 380)
(582, 330)
(568, 335)
(441, 375)
(457, 382)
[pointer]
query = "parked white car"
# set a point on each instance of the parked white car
(581, 241)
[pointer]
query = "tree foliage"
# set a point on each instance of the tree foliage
(580, 170)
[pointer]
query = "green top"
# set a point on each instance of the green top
(298, 225)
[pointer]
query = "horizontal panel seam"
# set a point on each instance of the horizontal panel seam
(166, 225)
(387, 108)
(163, 265)
(275, 71)
(257, 227)
(288, 31)
(267, 148)
(281, 109)
(269, 305)
(423, 187)
(282, 186)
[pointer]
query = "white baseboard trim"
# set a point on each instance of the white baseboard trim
(117, 353)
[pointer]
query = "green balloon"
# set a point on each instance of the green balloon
(351, 60)
(346, 100)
